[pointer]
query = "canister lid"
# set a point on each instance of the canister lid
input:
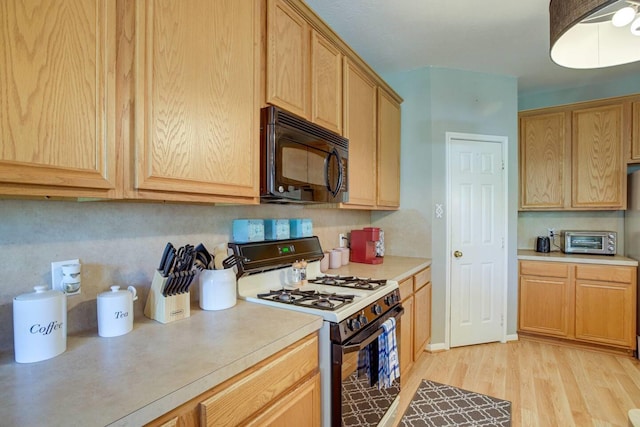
(114, 293)
(41, 293)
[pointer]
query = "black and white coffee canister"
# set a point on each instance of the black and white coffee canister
(39, 325)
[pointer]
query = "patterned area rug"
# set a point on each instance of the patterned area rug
(441, 405)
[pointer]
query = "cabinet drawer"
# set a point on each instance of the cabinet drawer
(545, 269)
(605, 273)
(421, 278)
(255, 391)
(406, 288)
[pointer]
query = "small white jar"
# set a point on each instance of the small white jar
(115, 311)
(39, 325)
(217, 289)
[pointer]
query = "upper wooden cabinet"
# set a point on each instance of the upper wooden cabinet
(635, 132)
(287, 59)
(360, 127)
(196, 101)
(388, 151)
(544, 154)
(599, 173)
(57, 115)
(572, 157)
(326, 83)
(304, 69)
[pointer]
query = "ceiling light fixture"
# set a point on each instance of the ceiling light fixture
(591, 33)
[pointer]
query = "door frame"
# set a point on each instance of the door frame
(450, 137)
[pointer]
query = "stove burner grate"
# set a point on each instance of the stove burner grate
(314, 299)
(349, 282)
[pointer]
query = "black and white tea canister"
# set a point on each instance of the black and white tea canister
(39, 325)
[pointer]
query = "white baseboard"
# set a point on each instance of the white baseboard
(437, 347)
(512, 337)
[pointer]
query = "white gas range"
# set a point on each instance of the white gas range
(353, 309)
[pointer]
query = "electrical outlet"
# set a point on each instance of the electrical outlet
(342, 240)
(56, 275)
(552, 232)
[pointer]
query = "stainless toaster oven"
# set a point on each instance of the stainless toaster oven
(589, 242)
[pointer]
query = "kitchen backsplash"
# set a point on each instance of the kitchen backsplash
(121, 244)
(534, 224)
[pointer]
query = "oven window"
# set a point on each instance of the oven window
(587, 242)
(362, 403)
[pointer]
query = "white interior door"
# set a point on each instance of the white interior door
(477, 239)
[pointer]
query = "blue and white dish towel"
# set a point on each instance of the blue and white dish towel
(388, 364)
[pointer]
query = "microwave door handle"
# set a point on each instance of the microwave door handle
(333, 191)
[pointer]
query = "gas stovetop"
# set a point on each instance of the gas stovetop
(334, 303)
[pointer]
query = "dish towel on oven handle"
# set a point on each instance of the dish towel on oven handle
(388, 364)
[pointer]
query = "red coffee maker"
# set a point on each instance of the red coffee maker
(363, 245)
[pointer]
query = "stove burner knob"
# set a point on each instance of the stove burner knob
(353, 324)
(362, 319)
(376, 309)
(389, 300)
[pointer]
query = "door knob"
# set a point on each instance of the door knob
(457, 254)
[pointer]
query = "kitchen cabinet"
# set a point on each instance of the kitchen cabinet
(606, 305)
(587, 304)
(360, 128)
(635, 132)
(388, 181)
(196, 96)
(572, 157)
(598, 169)
(544, 150)
(282, 390)
(546, 298)
(58, 99)
(304, 68)
(415, 324)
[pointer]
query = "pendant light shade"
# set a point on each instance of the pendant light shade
(583, 35)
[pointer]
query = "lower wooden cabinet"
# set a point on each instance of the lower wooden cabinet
(593, 304)
(415, 324)
(283, 390)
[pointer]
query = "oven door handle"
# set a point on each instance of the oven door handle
(396, 312)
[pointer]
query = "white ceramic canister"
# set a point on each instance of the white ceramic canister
(115, 311)
(39, 325)
(335, 259)
(217, 289)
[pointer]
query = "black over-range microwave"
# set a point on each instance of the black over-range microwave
(301, 162)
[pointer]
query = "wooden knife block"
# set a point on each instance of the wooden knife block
(166, 309)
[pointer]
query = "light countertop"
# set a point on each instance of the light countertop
(557, 256)
(392, 268)
(134, 378)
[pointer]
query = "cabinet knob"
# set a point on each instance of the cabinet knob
(457, 254)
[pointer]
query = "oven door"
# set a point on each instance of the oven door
(356, 399)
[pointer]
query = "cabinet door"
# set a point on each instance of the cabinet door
(635, 131)
(606, 305)
(360, 129)
(422, 326)
(287, 59)
(388, 151)
(57, 91)
(604, 313)
(599, 171)
(545, 305)
(406, 337)
(326, 83)
(197, 108)
(300, 407)
(544, 161)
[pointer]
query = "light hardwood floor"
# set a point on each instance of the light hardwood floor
(547, 384)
